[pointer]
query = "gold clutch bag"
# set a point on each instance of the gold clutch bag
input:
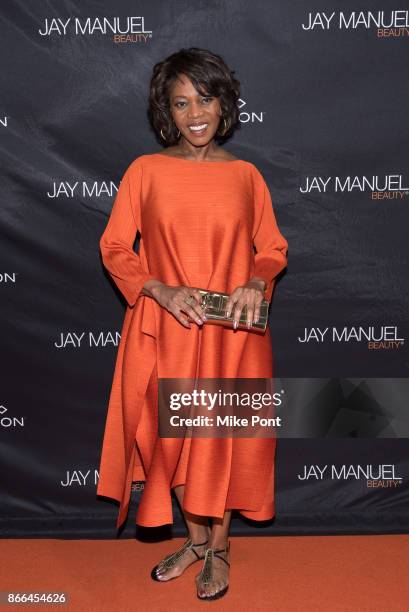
(214, 305)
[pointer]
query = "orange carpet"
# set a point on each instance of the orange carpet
(295, 573)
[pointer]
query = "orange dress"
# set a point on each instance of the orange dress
(199, 222)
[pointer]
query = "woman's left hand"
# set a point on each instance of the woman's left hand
(251, 295)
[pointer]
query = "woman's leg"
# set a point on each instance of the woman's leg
(220, 570)
(199, 532)
(198, 526)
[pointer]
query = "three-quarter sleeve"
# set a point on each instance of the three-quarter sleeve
(271, 246)
(117, 241)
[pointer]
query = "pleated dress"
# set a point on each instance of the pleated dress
(201, 224)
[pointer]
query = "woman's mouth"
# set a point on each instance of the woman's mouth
(198, 130)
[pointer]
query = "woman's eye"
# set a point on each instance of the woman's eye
(205, 99)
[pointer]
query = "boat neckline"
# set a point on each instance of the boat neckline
(205, 161)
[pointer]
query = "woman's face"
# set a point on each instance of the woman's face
(191, 111)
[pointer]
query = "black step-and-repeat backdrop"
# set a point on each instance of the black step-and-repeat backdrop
(324, 116)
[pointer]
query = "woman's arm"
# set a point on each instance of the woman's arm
(271, 246)
(116, 243)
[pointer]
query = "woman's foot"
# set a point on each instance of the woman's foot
(174, 565)
(213, 580)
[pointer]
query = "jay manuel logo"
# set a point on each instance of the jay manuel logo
(389, 186)
(383, 337)
(382, 475)
(388, 23)
(123, 29)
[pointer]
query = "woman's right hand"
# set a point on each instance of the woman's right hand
(173, 299)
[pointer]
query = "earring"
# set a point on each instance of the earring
(225, 127)
(161, 133)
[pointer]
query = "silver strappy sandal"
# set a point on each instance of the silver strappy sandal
(170, 560)
(206, 574)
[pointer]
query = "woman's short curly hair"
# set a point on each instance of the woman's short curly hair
(210, 76)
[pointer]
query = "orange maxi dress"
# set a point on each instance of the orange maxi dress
(202, 224)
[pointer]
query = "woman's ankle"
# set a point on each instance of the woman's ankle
(218, 543)
(200, 535)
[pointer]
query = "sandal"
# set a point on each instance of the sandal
(206, 574)
(170, 560)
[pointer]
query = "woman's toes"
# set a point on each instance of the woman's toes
(166, 574)
(161, 575)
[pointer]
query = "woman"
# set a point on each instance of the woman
(200, 211)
